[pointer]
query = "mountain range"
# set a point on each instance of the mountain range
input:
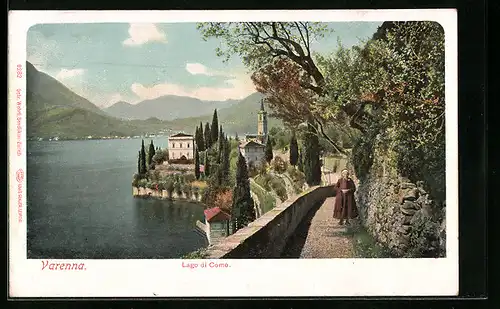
(55, 110)
(167, 107)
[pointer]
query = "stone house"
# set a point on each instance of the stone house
(181, 146)
(253, 152)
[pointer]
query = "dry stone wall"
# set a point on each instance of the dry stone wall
(402, 216)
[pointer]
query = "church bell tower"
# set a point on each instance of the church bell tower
(262, 122)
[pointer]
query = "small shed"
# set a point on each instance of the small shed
(218, 223)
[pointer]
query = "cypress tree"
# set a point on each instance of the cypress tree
(269, 150)
(300, 165)
(236, 137)
(294, 150)
(207, 164)
(215, 127)
(208, 136)
(243, 211)
(197, 137)
(143, 159)
(201, 146)
(220, 146)
(151, 153)
(227, 161)
(139, 163)
(197, 164)
(312, 167)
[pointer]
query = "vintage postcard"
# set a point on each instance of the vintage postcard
(232, 153)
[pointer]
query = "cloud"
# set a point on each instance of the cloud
(236, 89)
(197, 69)
(143, 33)
(68, 73)
(200, 69)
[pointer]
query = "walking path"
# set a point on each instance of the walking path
(321, 236)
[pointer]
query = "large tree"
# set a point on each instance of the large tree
(269, 46)
(294, 150)
(243, 211)
(215, 127)
(312, 166)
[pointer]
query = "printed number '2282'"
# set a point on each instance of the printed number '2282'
(19, 71)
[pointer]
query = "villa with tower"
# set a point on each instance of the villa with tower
(253, 147)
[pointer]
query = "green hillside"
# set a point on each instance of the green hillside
(54, 110)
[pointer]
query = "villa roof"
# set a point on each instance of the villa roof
(251, 144)
(216, 214)
(181, 135)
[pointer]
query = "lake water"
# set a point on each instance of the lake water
(80, 205)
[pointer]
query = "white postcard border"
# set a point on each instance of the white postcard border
(275, 277)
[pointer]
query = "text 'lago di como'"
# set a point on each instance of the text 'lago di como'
(204, 264)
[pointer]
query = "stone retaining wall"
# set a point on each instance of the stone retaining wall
(266, 237)
(163, 194)
(402, 216)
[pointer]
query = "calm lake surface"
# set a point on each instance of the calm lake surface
(80, 205)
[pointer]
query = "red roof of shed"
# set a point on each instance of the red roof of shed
(216, 214)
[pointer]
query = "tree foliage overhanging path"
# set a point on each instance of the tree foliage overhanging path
(394, 79)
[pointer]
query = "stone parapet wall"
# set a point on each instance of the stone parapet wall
(267, 236)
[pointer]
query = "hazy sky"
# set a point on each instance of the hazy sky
(106, 63)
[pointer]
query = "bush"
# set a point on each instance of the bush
(362, 156)
(224, 200)
(142, 183)
(196, 192)
(170, 187)
(178, 188)
(188, 178)
(160, 156)
(298, 178)
(135, 180)
(262, 168)
(188, 189)
(263, 181)
(252, 170)
(161, 185)
(279, 187)
(197, 254)
(279, 165)
(267, 201)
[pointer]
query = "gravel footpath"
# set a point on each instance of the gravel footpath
(320, 236)
(325, 237)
